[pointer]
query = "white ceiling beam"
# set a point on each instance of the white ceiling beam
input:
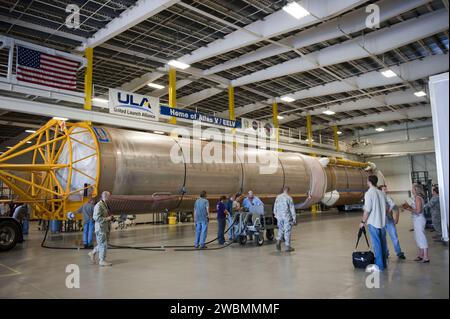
(142, 10)
(396, 98)
(196, 97)
(142, 81)
(397, 148)
(422, 111)
(374, 43)
(41, 28)
(409, 71)
(274, 24)
(348, 23)
(392, 128)
(239, 111)
(165, 91)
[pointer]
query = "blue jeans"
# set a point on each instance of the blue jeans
(392, 231)
(221, 223)
(88, 232)
(201, 230)
(379, 244)
(25, 226)
(231, 230)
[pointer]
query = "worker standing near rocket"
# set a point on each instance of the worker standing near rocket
(102, 218)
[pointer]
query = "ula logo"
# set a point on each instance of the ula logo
(129, 100)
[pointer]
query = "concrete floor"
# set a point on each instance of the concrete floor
(319, 268)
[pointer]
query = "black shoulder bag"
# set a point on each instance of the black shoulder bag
(361, 259)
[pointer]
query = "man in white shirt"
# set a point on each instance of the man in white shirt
(375, 217)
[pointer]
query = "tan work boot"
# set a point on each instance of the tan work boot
(91, 255)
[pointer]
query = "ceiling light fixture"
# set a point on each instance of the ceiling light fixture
(155, 86)
(379, 129)
(280, 117)
(388, 73)
(329, 112)
(287, 99)
(420, 94)
(296, 10)
(178, 64)
(30, 131)
(159, 132)
(339, 132)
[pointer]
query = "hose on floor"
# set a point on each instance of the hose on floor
(144, 248)
(178, 247)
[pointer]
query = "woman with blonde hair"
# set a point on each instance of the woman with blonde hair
(419, 222)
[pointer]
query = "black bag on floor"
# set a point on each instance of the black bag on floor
(361, 259)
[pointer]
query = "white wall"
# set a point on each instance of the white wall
(397, 172)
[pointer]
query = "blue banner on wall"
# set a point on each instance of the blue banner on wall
(194, 116)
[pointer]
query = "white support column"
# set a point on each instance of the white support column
(439, 107)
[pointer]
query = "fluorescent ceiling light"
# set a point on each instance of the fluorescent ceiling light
(8, 146)
(339, 132)
(329, 112)
(28, 142)
(155, 86)
(287, 99)
(280, 117)
(379, 129)
(158, 132)
(296, 10)
(100, 100)
(388, 73)
(30, 131)
(178, 64)
(420, 93)
(60, 118)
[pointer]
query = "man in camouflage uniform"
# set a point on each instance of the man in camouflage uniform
(284, 211)
(102, 218)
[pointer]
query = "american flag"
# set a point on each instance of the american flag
(46, 69)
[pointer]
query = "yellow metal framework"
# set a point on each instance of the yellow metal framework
(35, 181)
(88, 79)
(173, 92)
(344, 162)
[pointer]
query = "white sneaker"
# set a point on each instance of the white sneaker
(104, 263)
(91, 255)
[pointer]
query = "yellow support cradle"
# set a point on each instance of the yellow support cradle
(30, 169)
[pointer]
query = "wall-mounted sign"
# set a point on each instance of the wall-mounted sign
(260, 128)
(133, 105)
(194, 116)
